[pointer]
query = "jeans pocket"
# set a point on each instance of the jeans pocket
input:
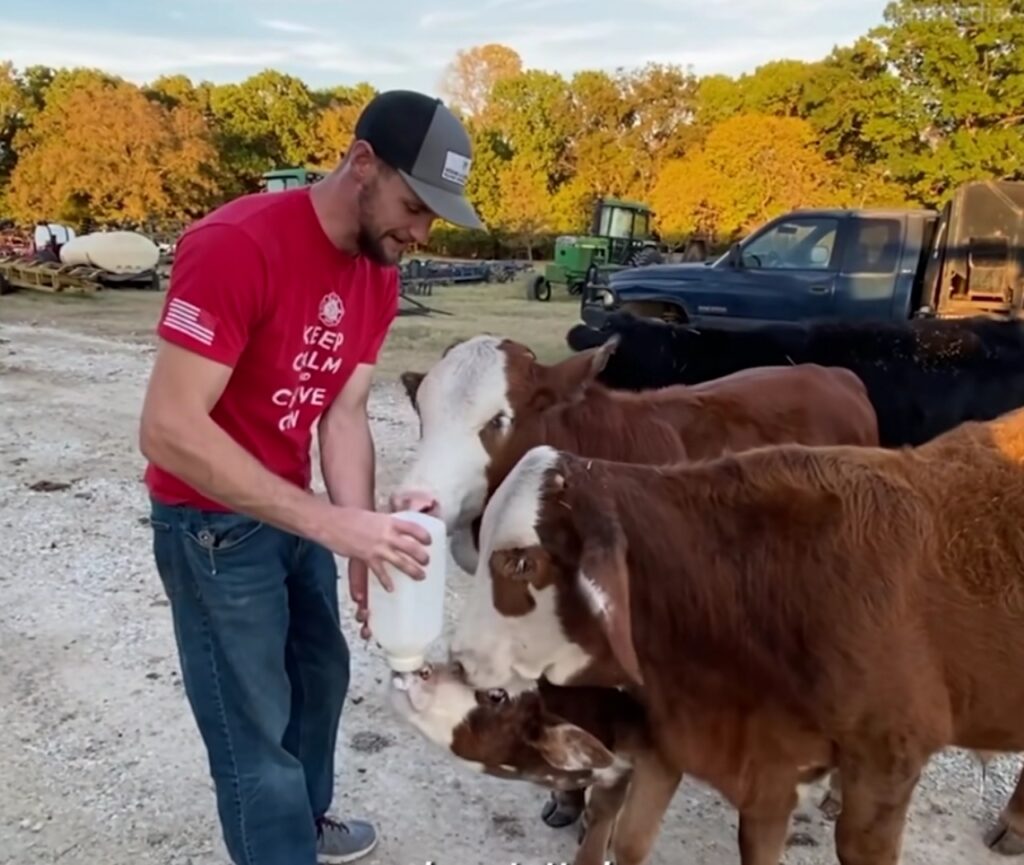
(220, 537)
(223, 532)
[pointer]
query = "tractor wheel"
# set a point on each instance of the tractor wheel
(643, 257)
(541, 289)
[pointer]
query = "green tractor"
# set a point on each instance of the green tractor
(620, 236)
(289, 178)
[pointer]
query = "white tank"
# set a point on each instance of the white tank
(406, 621)
(113, 251)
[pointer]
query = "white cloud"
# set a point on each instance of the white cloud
(286, 26)
(410, 47)
(143, 58)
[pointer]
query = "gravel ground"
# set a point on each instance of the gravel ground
(101, 760)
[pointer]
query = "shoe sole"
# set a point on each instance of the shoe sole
(351, 857)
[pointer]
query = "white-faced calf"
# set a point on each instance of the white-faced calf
(778, 612)
(489, 400)
(559, 738)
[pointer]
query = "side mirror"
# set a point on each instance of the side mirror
(735, 256)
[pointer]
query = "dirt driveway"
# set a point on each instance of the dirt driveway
(101, 763)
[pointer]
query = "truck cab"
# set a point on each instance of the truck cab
(880, 264)
(815, 263)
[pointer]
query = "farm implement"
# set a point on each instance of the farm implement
(81, 265)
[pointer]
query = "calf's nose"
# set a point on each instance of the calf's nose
(415, 500)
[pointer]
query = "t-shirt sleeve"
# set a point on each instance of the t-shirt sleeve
(388, 311)
(216, 292)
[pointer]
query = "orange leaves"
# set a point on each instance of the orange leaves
(749, 168)
(101, 150)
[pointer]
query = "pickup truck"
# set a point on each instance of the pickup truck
(967, 259)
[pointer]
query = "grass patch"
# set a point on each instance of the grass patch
(501, 309)
(415, 342)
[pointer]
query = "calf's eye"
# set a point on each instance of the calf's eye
(497, 695)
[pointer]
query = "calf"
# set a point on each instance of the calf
(923, 376)
(778, 611)
(561, 738)
(488, 400)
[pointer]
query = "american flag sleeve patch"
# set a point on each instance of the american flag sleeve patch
(191, 320)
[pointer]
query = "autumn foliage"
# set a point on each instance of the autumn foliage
(931, 98)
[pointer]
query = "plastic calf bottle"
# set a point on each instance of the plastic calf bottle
(405, 621)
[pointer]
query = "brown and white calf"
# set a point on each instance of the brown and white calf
(779, 611)
(560, 738)
(488, 400)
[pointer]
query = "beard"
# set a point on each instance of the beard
(370, 239)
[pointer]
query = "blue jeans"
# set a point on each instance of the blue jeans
(265, 667)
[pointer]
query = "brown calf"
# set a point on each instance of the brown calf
(779, 612)
(569, 410)
(489, 400)
(566, 739)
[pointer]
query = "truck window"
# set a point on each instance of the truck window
(801, 243)
(873, 247)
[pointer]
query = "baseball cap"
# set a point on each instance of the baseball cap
(425, 143)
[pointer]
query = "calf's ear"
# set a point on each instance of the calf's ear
(411, 381)
(573, 374)
(569, 748)
(603, 572)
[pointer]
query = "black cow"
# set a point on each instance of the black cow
(923, 376)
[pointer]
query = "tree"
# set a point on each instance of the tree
(470, 78)
(604, 156)
(525, 200)
(962, 67)
(267, 121)
(750, 168)
(662, 101)
(101, 151)
(335, 126)
(12, 107)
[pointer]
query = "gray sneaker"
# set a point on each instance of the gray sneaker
(339, 842)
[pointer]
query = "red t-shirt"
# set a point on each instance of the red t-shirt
(257, 285)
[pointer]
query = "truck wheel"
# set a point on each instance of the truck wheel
(541, 289)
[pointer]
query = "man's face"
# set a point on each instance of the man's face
(391, 217)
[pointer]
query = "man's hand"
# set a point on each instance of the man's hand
(378, 538)
(372, 539)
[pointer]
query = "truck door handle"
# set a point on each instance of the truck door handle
(820, 289)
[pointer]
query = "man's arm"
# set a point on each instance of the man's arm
(177, 433)
(347, 457)
(348, 463)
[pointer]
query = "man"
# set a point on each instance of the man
(277, 308)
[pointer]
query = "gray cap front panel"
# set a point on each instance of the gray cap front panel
(444, 158)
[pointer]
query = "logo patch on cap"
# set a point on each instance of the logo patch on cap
(456, 168)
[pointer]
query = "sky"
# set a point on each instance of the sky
(404, 43)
